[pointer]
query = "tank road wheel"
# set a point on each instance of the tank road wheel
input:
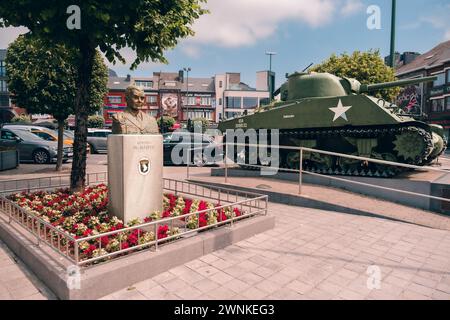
(413, 145)
(383, 169)
(321, 162)
(349, 166)
(293, 160)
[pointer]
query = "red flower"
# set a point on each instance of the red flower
(162, 231)
(166, 214)
(237, 212)
(202, 222)
(87, 232)
(187, 206)
(104, 240)
(202, 206)
(221, 216)
(148, 219)
(124, 245)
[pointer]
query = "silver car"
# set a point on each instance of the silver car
(97, 140)
(31, 147)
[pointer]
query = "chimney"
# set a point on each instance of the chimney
(128, 79)
(181, 76)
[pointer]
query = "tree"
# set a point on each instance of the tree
(42, 80)
(146, 26)
(20, 118)
(96, 121)
(168, 123)
(200, 124)
(367, 67)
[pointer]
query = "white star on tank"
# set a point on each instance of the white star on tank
(339, 111)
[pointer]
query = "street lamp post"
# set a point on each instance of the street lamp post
(392, 57)
(187, 93)
(270, 54)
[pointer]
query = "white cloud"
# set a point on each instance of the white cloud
(447, 35)
(439, 19)
(234, 23)
(191, 51)
(351, 7)
(8, 35)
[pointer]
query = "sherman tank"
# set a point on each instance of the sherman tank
(326, 112)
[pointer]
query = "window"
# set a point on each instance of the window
(250, 103)
(152, 99)
(448, 76)
(220, 101)
(220, 84)
(205, 101)
(3, 86)
(2, 68)
(264, 101)
(114, 99)
(233, 102)
(44, 135)
(440, 80)
(437, 105)
(143, 84)
(191, 101)
(8, 135)
(447, 105)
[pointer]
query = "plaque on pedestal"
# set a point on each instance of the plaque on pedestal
(135, 175)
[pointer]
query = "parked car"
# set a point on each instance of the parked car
(205, 153)
(31, 147)
(46, 133)
(97, 139)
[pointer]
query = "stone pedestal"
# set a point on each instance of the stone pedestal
(135, 175)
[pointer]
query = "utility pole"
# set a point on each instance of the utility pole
(161, 110)
(270, 54)
(392, 57)
(187, 93)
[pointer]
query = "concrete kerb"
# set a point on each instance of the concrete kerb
(100, 280)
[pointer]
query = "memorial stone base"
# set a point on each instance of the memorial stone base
(135, 175)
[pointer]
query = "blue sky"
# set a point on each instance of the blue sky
(235, 36)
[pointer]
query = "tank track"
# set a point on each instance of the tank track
(361, 132)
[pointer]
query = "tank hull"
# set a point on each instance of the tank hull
(357, 125)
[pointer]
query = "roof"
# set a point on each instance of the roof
(118, 83)
(435, 57)
(199, 85)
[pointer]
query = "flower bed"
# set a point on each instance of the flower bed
(84, 215)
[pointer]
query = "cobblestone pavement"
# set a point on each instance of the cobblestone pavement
(313, 254)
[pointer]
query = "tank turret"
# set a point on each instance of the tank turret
(308, 85)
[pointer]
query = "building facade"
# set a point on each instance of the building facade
(115, 101)
(182, 97)
(433, 98)
(235, 98)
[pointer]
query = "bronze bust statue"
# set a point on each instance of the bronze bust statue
(132, 120)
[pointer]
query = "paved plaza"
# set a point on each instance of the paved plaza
(311, 254)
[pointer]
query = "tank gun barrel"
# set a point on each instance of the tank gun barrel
(379, 86)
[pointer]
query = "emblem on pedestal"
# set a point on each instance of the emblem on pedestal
(144, 166)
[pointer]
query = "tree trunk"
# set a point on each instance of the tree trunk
(60, 145)
(78, 174)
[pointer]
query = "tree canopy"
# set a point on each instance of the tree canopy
(148, 27)
(367, 67)
(42, 79)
